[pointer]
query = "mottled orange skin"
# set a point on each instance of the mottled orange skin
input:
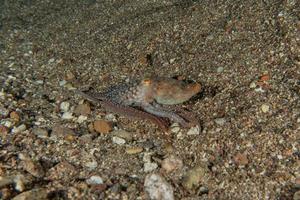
(150, 94)
(170, 91)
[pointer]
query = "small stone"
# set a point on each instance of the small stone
(51, 60)
(296, 195)
(83, 109)
(193, 177)
(34, 168)
(175, 128)
(91, 127)
(123, 134)
(172, 60)
(119, 141)
(8, 123)
(35, 194)
(62, 171)
(150, 166)
(69, 76)
(81, 119)
(241, 159)
(67, 115)
(65, 106)
(61, 131)
(94, 180)
(91, 165)
(134, 150)
(111, 117)
(220, 121)
(102, 126)
(220, 69)
(3, 130)
(171, 163)
(40, 132)
(39, 82)
(194, 131)
(19, 129)
(87, 138)
(62, 83)
(265, 108)
(253, 85)
(3, 112)
(157, 188)
(14, 116)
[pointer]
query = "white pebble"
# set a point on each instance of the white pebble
(62, 83)
(67, 115)
(265, 108)
(220, 121)
(94, 180)
(220, 69)
(19, 129)
(158, 188)
(194, 131)
(119, 141)
(150, 166)
(81, 119)
(65, 106)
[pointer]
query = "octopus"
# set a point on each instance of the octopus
(147, 99)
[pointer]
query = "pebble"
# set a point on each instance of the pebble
(34, 168)
(150, 166)
(220, 121)
(220, 69)
(14, 116)
(102, 126)
(19, 181)
(91, 165)
(4, 112)
(194, 177)
(253, 85)
(171, 163)
(157, 188)
(296, 195)
(118, 140)
(123, 134)
(61, 131)
(67, 115)
(175, 128)
(94, 180)
(265, 108)
(65, 106)
(111, 117)
(134, 150)
(69, 76)
(62, 171)
(62, 83)
(241, 159)
(3, 130)
(83, 109)
(8, 123)
(194, 131)
(40, 132)
(81, 119)
(19, 129)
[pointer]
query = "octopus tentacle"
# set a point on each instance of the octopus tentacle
(125, 110)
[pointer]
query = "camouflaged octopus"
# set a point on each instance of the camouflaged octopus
(145, 99)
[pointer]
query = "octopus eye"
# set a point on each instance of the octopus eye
(147, 81)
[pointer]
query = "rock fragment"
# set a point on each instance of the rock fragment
(158, 188)
(102, 126)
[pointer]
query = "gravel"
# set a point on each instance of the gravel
(245, 54)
